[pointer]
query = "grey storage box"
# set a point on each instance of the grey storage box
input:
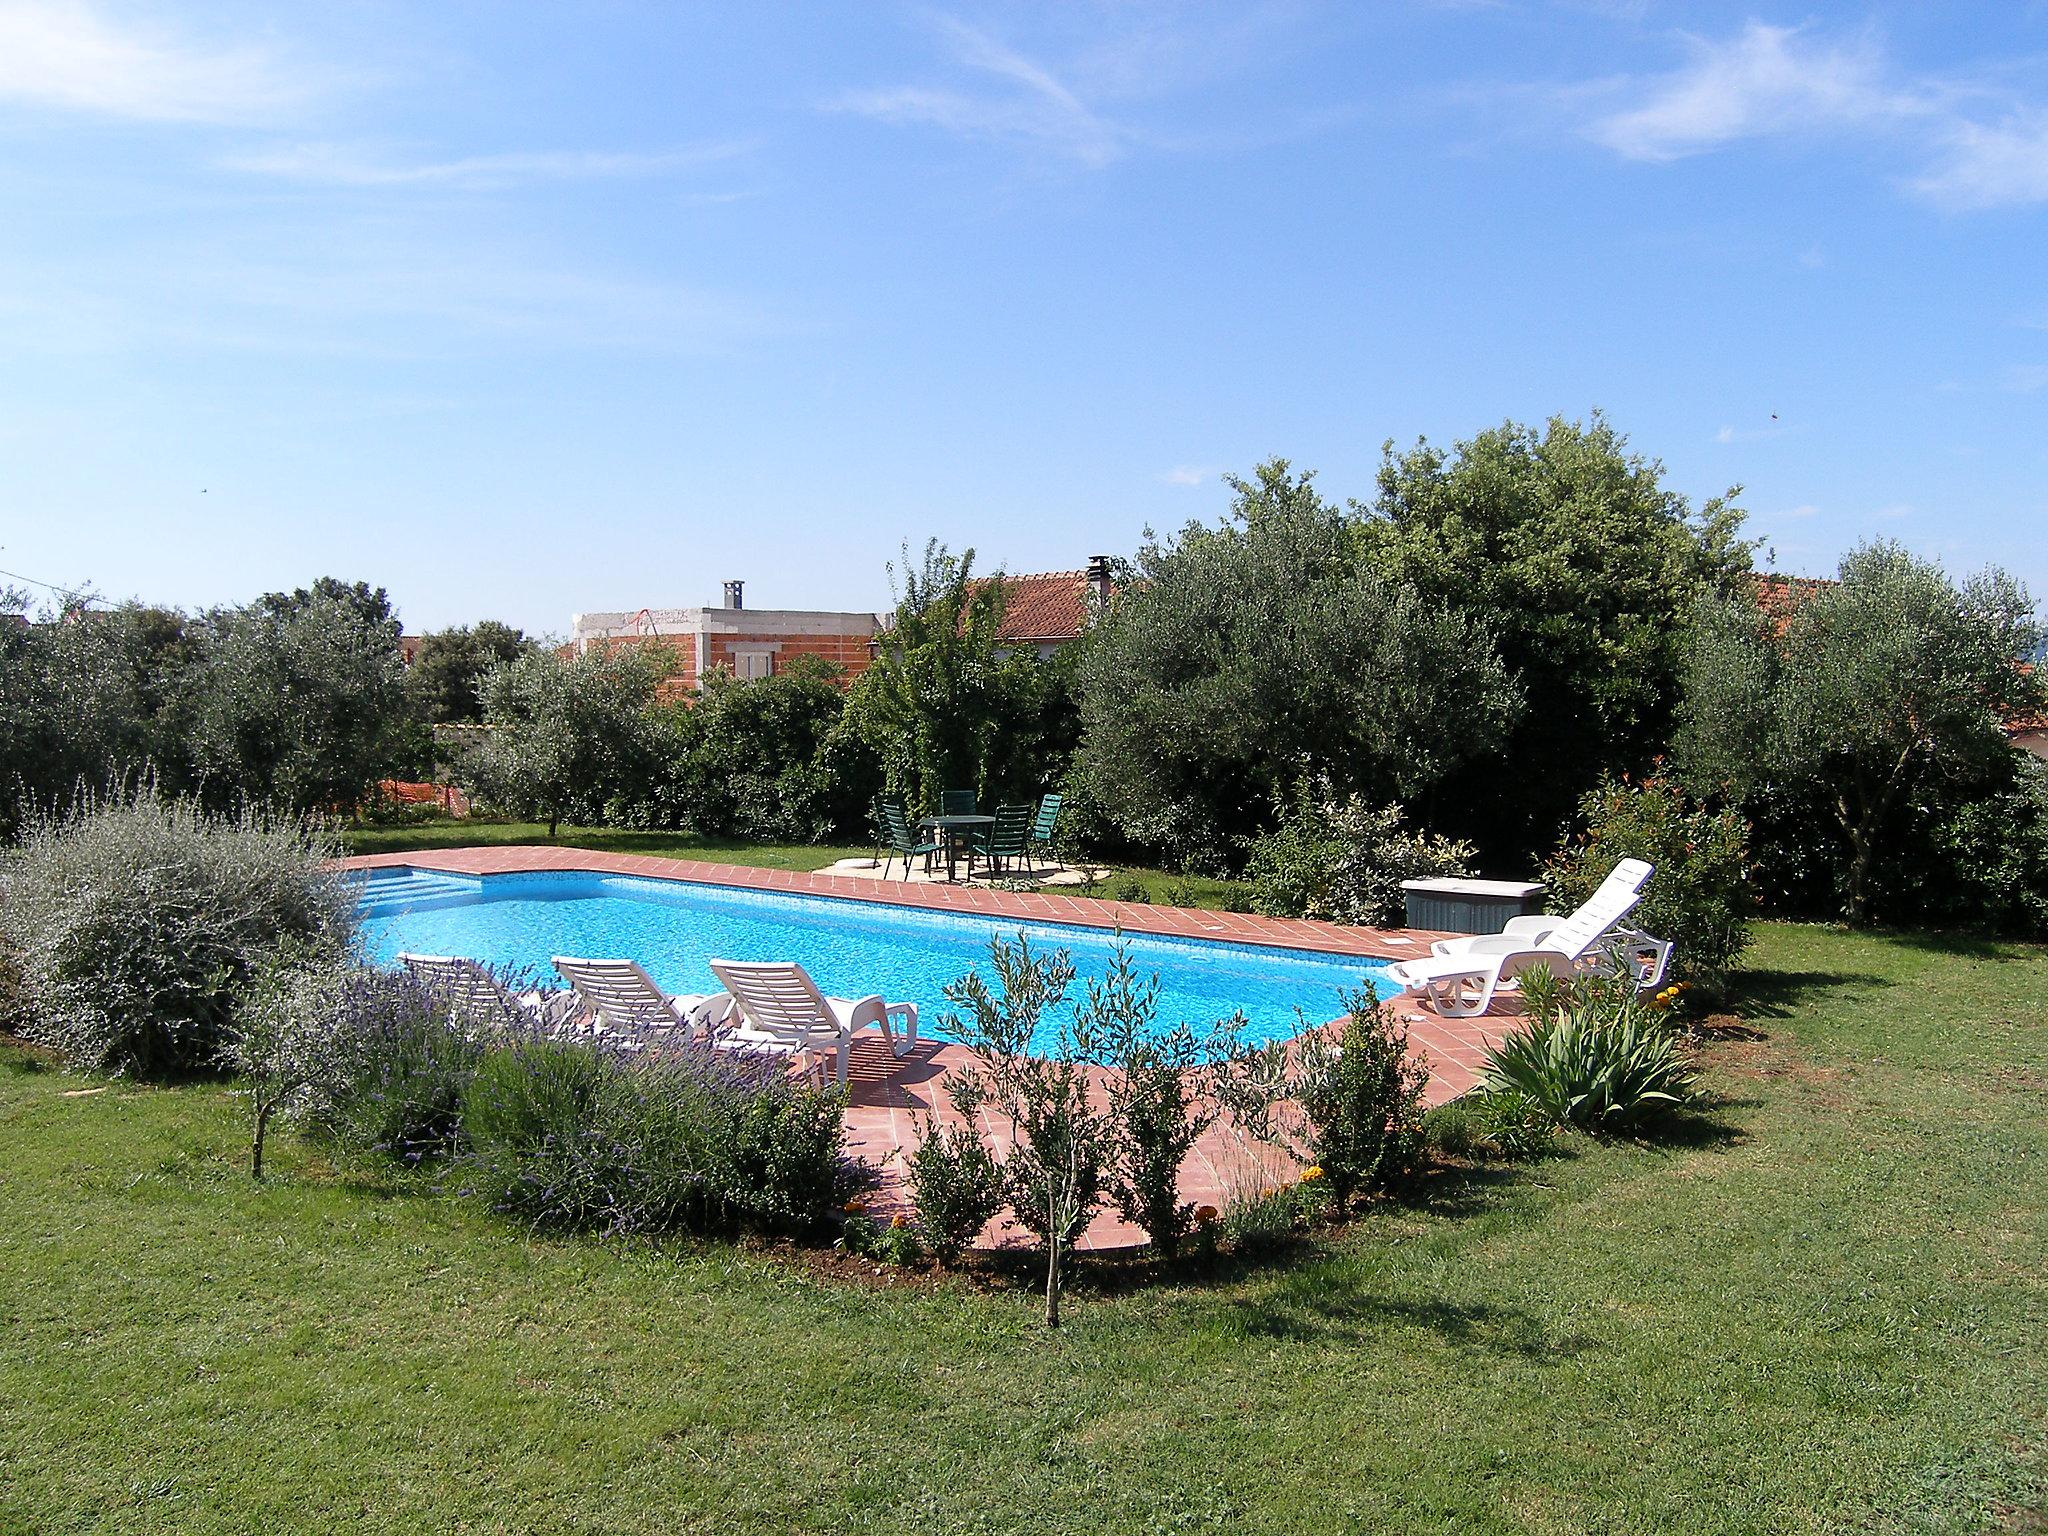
(1470, 906)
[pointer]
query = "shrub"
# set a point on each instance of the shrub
(1127, 888)
(1269, 1219)
(1341, 860)
(136, 923)
(1164, 1087)
(1699, 898)
(1361, 1098)
(398, 1069)
(956, 1187)
(1601, 1061)
(279, 1041)
(1057, 1173)
(574, 1137)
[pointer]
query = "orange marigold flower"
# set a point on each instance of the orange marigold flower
(1313, 1171)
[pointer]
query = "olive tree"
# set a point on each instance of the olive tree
(296, 700)
(1585, 567)
(1888, 686)
(1254, 654)
(565, 730)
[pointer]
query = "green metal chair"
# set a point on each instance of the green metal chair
(956, 802)
(1043, 826)
(1009, 838)
(892, 825)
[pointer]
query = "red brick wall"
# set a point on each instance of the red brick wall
(849, 652)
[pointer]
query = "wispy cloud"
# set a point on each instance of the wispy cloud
(1733, 434)
(1766, 80)
(2026, 378)
(1979, 145)
(1188, 474)
(1990, 165)
(66, 54)
(1801, 512)
(1028, 102)
(348, 166)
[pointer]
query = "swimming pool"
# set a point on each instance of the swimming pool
(851, 948)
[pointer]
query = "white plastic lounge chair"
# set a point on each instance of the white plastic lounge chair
(620, 997)
(1620, 891)
(1461, 984)
(776, 1006)
(479, 999)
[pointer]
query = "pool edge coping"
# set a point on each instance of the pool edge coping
(1303, 935)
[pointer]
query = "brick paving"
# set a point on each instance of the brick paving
(891, 1096)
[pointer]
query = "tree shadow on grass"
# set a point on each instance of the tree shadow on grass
(1783, 994)
(1300, 1314)
(1962, 946)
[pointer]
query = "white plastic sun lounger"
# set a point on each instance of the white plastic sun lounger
(480, 999)
(776, 1006)
(620, 997)
(1620, 891)
(1462, 983)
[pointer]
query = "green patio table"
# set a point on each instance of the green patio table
(958, 832)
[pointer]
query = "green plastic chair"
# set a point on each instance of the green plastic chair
(1009, 838)
(1044, 825)
(892, 826)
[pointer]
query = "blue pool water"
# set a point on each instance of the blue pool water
(851, 948)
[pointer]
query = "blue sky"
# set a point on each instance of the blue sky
(522, 310)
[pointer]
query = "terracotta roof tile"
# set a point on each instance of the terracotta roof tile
(1051, 605)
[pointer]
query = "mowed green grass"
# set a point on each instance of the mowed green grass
(479, 833)
(1825, 1311)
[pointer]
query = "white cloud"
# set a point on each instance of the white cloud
(1990, 165)
(2026, 378)
(1187, 474)
(1980, 145)
(1031, 104)
(1803, 510)
(341, 165)
(66, 54)
(1766, 80)
(1749, 434)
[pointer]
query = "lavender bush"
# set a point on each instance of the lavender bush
(578, 1137)
(398, 1064)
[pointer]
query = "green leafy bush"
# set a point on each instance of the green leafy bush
(574, 1137)
(1699, 898)
(956, 1188)
(1342, 860)
(135, 922)
(1601, 1061)
(1361, 1096)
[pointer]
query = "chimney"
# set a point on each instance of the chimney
(732, 594)
(1098, 582)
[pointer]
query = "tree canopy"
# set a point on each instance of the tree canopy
(1585, 568)
(946, 705)
(1889, 685)
(1270, 648)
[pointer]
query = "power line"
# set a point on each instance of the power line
(50, 586)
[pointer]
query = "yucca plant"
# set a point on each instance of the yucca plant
(1599, 1061)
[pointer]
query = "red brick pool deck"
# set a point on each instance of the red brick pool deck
(891, 1096)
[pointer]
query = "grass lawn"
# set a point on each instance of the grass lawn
(478, 833)
(1825, 1313)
